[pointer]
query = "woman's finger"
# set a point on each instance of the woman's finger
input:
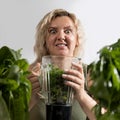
(36, 90)
(77, 67)
(73, 78)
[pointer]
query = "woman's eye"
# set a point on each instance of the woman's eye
(68, 31)
(52, 31)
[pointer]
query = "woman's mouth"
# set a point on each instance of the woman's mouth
(61, 44)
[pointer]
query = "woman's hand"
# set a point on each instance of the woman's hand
(33, 77)
(76, 79)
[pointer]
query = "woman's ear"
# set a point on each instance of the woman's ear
(77, 43)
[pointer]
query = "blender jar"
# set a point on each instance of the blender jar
(58, 96)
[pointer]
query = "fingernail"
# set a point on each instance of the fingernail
(66, 70)
(64, 75)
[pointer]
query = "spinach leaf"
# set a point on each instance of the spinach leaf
(58, 89)
(105, 74)
(14, 85)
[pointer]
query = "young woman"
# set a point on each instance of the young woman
(60, 33)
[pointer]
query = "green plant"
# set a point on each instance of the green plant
(14, 85)
(105, 74)
(58, 88)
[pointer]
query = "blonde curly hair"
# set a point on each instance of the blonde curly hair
(41, 33)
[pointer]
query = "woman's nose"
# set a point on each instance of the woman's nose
(61, 36)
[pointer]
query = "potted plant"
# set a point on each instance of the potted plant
(105, 77)
(15, 88)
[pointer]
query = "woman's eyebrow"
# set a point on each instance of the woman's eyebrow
(65, 27)
(51, 27)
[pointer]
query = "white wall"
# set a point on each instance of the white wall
(18, 19)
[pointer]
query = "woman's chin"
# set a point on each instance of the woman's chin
(62, 54)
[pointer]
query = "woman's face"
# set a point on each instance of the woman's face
(62, 37)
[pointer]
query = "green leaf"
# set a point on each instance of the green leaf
(105, 74)
(4, 114)
(8, 53)
(15, 86)
(115, 77)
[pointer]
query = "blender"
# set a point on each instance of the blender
(58, 96)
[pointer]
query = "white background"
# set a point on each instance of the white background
(18, 20)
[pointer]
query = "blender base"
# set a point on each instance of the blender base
(58, 112)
